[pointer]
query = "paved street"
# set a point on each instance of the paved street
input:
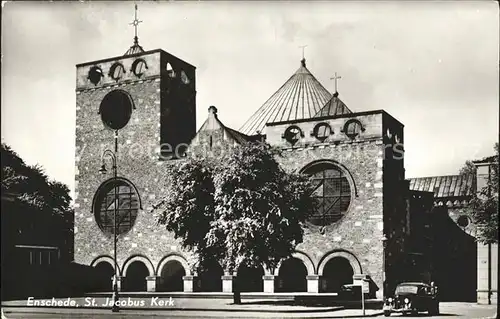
(448, 310)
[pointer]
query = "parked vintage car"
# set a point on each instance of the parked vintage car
(412, 297)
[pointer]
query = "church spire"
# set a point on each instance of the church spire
(135, 48)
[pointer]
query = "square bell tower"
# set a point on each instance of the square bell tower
(142, 107)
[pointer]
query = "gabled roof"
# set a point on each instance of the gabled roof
(333, 107)
(238, 136)
(445, 186)
(301, 97)
(212, 124)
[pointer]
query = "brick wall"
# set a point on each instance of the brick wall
(374, 180)
(360, 231)
(137, 160)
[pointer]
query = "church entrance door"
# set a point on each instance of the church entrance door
(337, 272)
(135, 279)
(292, 276)
(171, 276)
(105, 273)
(211, 277)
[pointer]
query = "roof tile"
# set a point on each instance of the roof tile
(333, 107)
(444, 186)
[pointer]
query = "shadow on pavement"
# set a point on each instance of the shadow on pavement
(314, 302)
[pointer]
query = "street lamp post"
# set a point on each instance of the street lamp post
(115, 307)
(384, 244)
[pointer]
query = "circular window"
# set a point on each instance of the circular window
(293, 134)
(120, 197)
(352, 128)
(332, 192)
(463, 221)
(322, 131)
(116, 109)
(95, 75)
(116, 72)
(138, 67)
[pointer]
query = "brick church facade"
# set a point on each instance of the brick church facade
(133, 105)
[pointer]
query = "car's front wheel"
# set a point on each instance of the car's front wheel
(387, 313)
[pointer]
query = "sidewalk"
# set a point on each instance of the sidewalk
(159, 304)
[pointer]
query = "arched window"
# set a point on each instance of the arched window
(332, 192)
(184, 78)
(116, 71)
(353, 128)
(293, 134)
(116, 194)
(95, 75)
(322, 131)
(139, 67)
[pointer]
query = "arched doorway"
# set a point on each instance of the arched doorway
(105, 273)
(211, 277)
(292, 276)
(135, 279)
(249, 279)
(337, 272)
(171, 276)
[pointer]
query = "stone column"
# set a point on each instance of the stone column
(269, 282)
(313, 283)
(190, 283)
(152, 283)
(227, 283)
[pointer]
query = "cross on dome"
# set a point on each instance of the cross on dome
(335, 78)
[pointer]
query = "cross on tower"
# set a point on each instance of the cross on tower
(135, 23)
(336, 78)
(303, 50)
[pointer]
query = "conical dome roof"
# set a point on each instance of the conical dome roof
(301, 97)
(333, 107)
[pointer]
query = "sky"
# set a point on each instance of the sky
(432, 65)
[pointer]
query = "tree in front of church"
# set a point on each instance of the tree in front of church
(239, 209)
(36, 213)
(36, 209)
(484, 204)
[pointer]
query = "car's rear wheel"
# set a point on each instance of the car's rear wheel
(434, 310)
(387, 313)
